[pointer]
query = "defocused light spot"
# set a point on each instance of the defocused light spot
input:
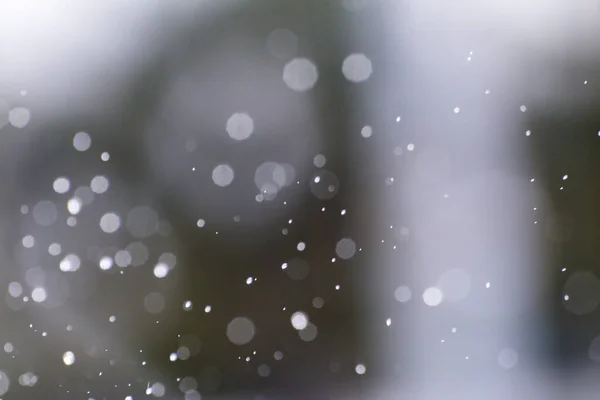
(508, 358)
(54, 249)
(455, 284)
(222, 175)
(105, 156)
(44, 213)
(456, 110)
(28, 241)
(82, 141)
(239, 126)
(318, 302)
(161, 270)
(106, 263)
(4, 383)
(345, 248)
(528, 133)
(327, 187)
(410, 147)
(357, 68)
(360, 369)
(39, 294)
(523, 108)
(187, 306)
(142, 222)
(123, 258)
(85, 195)
(169, 259)
(240, 331)
(99, 184)
(366, 131)
(19, 117)
(299, 320)
(282, 44)
(110, 222)
(301, 246)
(15, 289)
(8, 347)
(61, 185)
(297, 269)
(70, 263)
(192, 395)
(309, 333)
(278, 355)
(173, 357)
(264, 370)
(319, 161)
(138, 253)
(584, 290)
(74, 205)
(188, 384)
(158, 389)
(183, 353)
(154, 303)
(112, 318)
(432, 296)
(300, 74)
(594, 350)
(207, 309)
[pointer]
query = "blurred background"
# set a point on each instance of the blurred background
(334, 199)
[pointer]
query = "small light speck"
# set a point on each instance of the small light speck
(410, 147)
(343, 212)
(398, 119)
(249, 280)
(301, 246)
(105, 156)
(523, 108)
(528, 133)
(565, 177)
(388, 321)
(487, 91)
(456, 110)
(487, 285)
(207, 309)
(337, 287)
(566, 297)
